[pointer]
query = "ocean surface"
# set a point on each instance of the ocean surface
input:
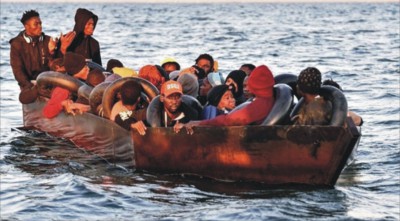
(357, 44)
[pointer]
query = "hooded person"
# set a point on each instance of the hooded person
(261, 84)
(169, 64)
(220, 100)
(236, 79)
(83, 43)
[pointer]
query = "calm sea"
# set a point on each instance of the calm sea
(358, 45)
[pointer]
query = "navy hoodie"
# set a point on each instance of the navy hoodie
(85, 45)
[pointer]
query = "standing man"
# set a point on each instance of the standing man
(30, 53)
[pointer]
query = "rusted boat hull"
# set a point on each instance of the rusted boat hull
(313, 155)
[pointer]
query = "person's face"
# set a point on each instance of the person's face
(205, 65)
(170, 68)
(227, 101)
(171, 102)
(33, 27)
(229, 81)
(246, 91)
(205, 87)
(89, 27)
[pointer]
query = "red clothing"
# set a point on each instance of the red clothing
(53, 106)
(255, 112)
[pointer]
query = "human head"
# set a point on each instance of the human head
(189, 84)
(95, 77)
(171, 96)
(170, 64)
(236, 79)
(261, 82)
(206, 62)
(112, 63)
(130, 92)
(205, 87)
(247, 68)
(332, 83)
(57, 65)
(152, 74)
(221, 96)
(32, 23)
(75, 65)
(309, 81)
(246, 92)
(85, 22)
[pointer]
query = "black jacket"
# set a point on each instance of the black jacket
(86, 46)
(29, 57)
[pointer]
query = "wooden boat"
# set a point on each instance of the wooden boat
(271, 154)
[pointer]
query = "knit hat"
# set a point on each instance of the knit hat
(171, 87)
(112, 63)
(309, 80)
(74, 63)
(189, 84)
(215, 94)
(261, 82)
(238, 77)
(170, 60)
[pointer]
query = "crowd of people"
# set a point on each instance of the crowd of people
(189, 97)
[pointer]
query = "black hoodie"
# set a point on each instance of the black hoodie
(85, 45)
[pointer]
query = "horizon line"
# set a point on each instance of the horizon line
(201, 1)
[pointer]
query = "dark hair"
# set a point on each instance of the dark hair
(112, 63)
(208, 57)
(332, 83)
(249, 66)
(130, 92)
(95, 77)
(28, 15)
(56, 62)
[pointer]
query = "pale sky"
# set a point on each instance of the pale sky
(198, 1)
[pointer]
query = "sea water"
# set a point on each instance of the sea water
(357, 45)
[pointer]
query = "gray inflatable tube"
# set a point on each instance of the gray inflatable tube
(46, 81)
(110, 93)
(339, 104)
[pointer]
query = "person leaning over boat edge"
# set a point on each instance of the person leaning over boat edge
(128, 115)
(30, 53)
(75, 66)
(261, 83)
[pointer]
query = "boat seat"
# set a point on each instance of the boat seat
(279, 113)
(153, 110)
(110, 93)
(339, 104)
